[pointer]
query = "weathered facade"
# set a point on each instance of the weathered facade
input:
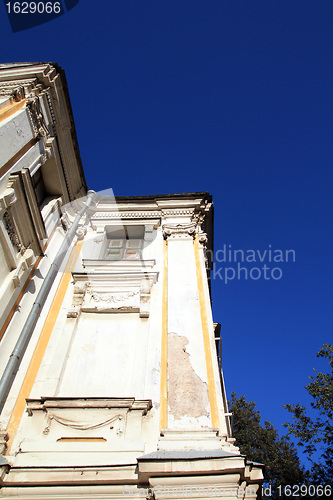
(111, 385)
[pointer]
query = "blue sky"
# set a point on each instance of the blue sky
(231, 97)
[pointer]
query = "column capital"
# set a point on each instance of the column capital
(179, 231)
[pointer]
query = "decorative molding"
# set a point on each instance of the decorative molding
(26, 82)
(99, 224)
(179, 231)
(25, 212)
(145, 290)
(81, 425)
(126, 215)
(18, 93)
(110, 302)
(69, 214)
(73, 313)
(46, 403)
(81, 232)
(9, 88)
(93, 266)
(65, 222)
(109, 280)
(198, 218)
(4, 469)
(78, 297)
(110, 290)
(87, 414)
(176, 212)
(12, 233)
(50, 114)
(7, 198)
(34, 207)
(37, 117)
(138, 214)
(113, 298)
(202, 237)
(27, 262)
(3, 442)
(51, 110)
(99, 238)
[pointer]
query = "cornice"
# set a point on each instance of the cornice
(135, 214)
(48, 105)
(17, 88)
(46, 403)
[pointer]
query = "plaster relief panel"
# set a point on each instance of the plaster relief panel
(112, 302)
(112, 292)
(74, 424)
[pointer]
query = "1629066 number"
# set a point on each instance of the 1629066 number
(305, 490)
(33, 7)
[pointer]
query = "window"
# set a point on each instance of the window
(124, 243)
(39, 186)
(123, 249)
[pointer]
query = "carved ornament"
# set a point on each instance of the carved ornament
(202, 237)
(113, 298)
(78, 424)
(8, 88)
(179, 231)
(126, 215)
(12, 233)
(86, 414)
(28, 258)
(37, 118)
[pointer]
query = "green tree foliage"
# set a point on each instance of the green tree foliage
(315, 434)
(261, 443)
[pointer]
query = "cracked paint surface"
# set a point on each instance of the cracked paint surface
(187, 393)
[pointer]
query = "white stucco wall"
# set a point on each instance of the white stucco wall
(15, 132)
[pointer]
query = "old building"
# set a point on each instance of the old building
(111, 383)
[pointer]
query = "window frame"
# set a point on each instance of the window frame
(127, 243)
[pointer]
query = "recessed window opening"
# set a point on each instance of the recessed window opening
(125, 242)
(39, 186)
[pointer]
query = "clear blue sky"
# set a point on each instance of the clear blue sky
(235, 98)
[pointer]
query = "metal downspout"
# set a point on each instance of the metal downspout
(15, 359)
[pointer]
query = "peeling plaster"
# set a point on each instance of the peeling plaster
(187, 393)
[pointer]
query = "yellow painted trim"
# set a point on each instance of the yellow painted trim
(81, 440)
(41, 346)
(20, 295)
(11, 109)
(164, 348)
(206, 339)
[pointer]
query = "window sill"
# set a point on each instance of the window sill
(117, 265)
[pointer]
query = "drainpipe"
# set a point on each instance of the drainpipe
(15, 359)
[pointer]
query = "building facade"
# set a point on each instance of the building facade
(111, 383)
